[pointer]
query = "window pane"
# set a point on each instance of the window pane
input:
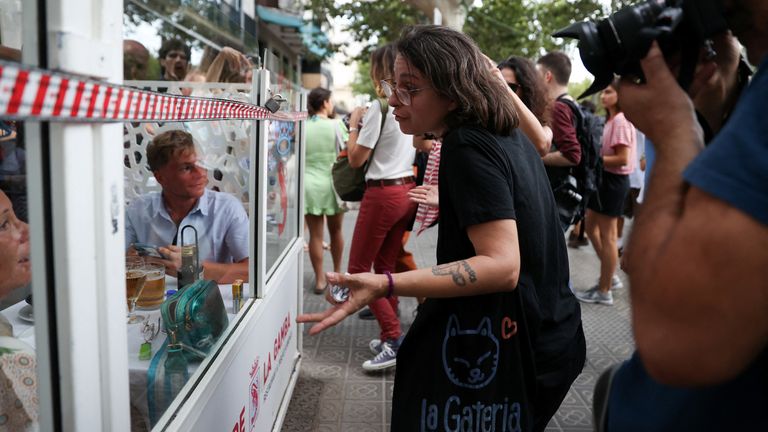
(18, 362)
(180, 175)
(282, 177)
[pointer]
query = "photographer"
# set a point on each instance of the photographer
(698, 249)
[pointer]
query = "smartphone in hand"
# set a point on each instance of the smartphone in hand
(148, 250)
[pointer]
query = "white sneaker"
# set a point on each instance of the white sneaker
(616, 283)
(594, 295)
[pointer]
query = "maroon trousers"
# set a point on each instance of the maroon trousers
(384, 216)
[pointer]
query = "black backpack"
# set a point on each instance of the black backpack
(588, 173)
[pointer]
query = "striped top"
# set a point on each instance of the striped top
(427, 215)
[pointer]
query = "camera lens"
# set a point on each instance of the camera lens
(616, 44)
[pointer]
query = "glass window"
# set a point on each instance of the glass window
(187, 226)
(282, 181)
(282, 168)
(18, 362)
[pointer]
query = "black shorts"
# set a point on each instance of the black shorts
(630, 204)
(613, 191)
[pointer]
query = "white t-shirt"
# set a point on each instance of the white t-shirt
(637, 176)
(394, 153)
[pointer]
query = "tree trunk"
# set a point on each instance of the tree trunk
(454, 12)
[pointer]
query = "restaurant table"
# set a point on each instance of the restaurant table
(24, 330)
(20, 316)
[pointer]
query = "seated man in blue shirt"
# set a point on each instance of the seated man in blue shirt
(158, 217)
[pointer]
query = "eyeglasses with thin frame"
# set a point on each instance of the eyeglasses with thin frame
(403, 95)
(514, 86)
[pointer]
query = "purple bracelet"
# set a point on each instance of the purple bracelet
(391, 282)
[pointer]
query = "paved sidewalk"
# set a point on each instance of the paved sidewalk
(334, 394)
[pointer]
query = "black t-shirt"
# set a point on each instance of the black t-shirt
(472, 362)
(485, 178)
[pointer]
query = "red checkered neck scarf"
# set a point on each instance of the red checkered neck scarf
(427, 215)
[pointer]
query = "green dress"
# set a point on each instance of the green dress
(319, 197)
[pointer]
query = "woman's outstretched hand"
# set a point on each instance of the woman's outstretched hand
(425, 194)
(363, 289)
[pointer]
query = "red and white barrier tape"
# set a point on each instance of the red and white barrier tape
(28, 93)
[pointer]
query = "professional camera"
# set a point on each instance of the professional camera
(616, 44)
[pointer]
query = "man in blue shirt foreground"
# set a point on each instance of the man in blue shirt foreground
(698, 254)
(157, 218)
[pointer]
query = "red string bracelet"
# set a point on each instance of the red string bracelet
(391, 282)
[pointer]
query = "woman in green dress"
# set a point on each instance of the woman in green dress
(324, 134)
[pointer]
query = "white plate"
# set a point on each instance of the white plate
(26, 314)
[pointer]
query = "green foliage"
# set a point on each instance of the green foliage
(373, 23)
(362, 84)
(500, 27)
(523, 27)
(575, 89)
(153, 68)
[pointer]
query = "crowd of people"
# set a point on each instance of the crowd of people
(503, 218)
(227, 65)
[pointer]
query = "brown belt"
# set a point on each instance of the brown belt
(389, 182)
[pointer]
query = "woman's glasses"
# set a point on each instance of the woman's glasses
(403, 95)
(514, 86)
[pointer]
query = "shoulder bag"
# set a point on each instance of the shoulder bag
(194, 318)
(349, 182)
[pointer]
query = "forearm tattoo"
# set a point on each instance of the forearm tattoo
(454, 270)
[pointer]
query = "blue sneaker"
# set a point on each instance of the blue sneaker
(385, 359)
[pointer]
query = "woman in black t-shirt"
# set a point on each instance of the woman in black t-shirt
(498, 341)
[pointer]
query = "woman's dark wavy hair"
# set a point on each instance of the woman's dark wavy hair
(457, 70)
(316, 99)
(532, 90)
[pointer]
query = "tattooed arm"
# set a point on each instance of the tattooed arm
(494, 268)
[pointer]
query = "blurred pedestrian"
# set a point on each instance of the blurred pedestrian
(174, 57)
(229, 66)
(385, 211)
(135, 60)
(324, 137)
(565, 153)
(634, 197)
(526, 83)
(194, 76)
(607, 206)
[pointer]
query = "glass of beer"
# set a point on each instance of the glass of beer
(135, 281)
(154, 287)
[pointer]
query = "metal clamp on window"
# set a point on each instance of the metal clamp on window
(273, 103)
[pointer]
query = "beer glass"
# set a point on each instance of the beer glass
(154, 287)
(135, 281)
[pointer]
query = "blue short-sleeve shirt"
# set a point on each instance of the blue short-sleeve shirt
(734, 167)
(219, 218)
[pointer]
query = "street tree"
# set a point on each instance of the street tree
(500, 27)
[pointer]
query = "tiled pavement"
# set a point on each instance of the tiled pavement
(334, 394)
